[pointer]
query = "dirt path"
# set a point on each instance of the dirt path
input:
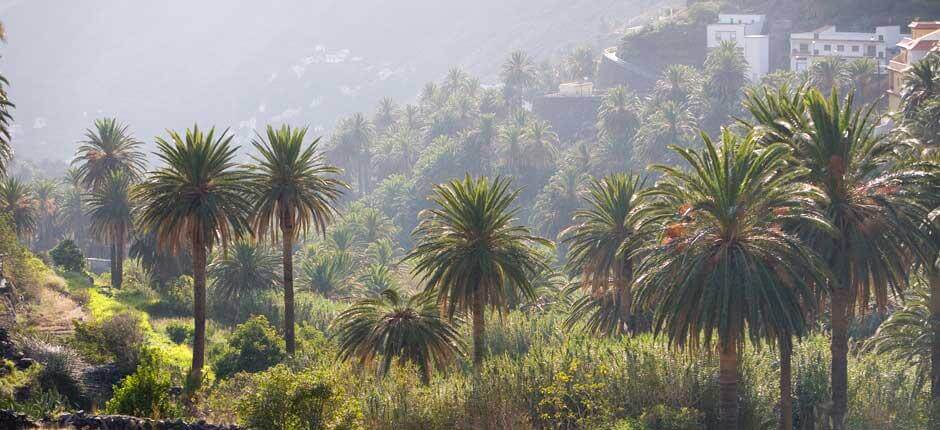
(55, 312)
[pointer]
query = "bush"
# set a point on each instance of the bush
(662, 417)
(176, 298)
(62, 369)
(180, 332)
(68, 256)
(305, 400)
(253, 346)
(116, 339)
(146, 392)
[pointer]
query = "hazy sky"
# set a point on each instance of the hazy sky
(238, 63)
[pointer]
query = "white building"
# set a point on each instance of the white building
(747, 32)
(924, 38)
(806, 48)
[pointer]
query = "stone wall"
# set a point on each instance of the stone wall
(10, 420)
(571, 117)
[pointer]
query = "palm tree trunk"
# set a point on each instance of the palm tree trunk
(728, 386)
(839, 347)
(199, 312)
(115, 277)
(117, 262)
(933, 279)
(479, 331)
(287, 237)
(786, 383)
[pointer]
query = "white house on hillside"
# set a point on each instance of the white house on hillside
(805, 48)
(747, 32)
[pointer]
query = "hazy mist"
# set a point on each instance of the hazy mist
(243, 64)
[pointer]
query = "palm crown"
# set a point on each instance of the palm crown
(107, 148)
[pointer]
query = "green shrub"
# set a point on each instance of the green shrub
(180, 332)
(147, 391)
(253, 346)
(116, 339)
(62, 368)
(68, 256)
(282, 399)
(176, 298)
(662, 417)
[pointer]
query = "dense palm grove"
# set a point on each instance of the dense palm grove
(712, 254)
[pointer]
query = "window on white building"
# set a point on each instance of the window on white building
(827, 47)
(854, 48)
(840, 48)
(804, 47)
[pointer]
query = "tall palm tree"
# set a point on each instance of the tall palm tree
(724, 266)
(559, 199)
(243, 273)
(603, 245)
(726, 71)
(17, 200)
(618, 115)
(874, 211)
(391, 327)
(47, 207)
(518, 74)
(511, 140)
(355, 140)
(295, 190)
(110, 208)
(199, 198)
(469, 250)
(109, 147)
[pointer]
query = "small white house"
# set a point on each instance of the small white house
(747, 32)
(576, 89)
(806, 48)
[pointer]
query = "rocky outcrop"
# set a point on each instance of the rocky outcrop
(80, 421)
(11, 420)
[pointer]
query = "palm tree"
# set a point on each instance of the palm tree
(828, 74)
(110, 209)
(242, 273)
(295, 190)
(375, 279)
(46, 193)
(386, 115)
(107, 148)
(669, 124)
(518, 74)
(678, 84)
(618, 115)
(6, 119)
(921, 83)
(580, 63)
(540, 144)
(471, 253)
(603, 243)
(355, 140)
(558, 200)
(18, 201)
(327, 273)
(726, 70)
(390, 327)
(863, 75)
(511, 140)
(874, 211)
(907, 334)
(724, 266)
(199, 198)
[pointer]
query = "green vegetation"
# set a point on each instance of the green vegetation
(702, 256)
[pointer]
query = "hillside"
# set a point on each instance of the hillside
(168, 64)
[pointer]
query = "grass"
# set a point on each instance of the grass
(101, 304)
